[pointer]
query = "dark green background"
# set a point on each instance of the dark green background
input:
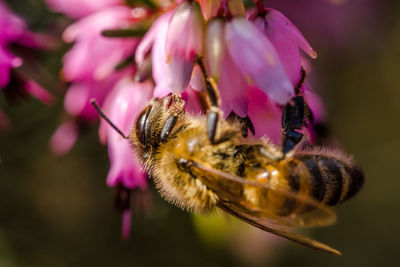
(56, 211)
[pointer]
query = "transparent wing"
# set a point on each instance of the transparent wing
(303, 240)
(229, 189)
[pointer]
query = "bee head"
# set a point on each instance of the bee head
(150, 126)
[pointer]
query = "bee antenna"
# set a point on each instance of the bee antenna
(101, 113)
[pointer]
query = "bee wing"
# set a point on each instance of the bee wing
(313, 214)
(303, 240)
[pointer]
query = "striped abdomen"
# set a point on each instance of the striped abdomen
(330, 180)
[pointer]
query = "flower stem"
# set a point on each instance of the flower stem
(260, 7)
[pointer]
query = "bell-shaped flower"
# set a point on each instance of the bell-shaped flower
(232, 85)
(257, 58)
(14, 30)
(81, 8)
(94, 56)
(122, 106)
(77, 98)
(286, 39)
(155, 40)
(183, 43)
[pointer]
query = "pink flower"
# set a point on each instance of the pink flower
(286, 39)
(37, 91)
(155, 40)
(183, 44)
(81, 8)
(7, 62)
(14, 30)
(64, 138)
(12, 27)
(77, 99)
(122, 106)
(91, 63)
(94, 56)
(256, 57)
(174, 40)
(232, 84)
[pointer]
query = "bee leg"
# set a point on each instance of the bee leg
(300, 84)
(214, 113)
(176, 107)
(168, 126)
(296, 114)
(246, 123)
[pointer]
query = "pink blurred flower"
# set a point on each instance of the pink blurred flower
(7, 62)
(81, 8)
(77, 98)
(64, 138)
(39, 92)
(94, 56)
(12, 82)
(12, 27)
(91, 63)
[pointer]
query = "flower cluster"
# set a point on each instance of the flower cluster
(123, 55)
(13, 83)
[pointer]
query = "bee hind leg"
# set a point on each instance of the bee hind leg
(296, 114)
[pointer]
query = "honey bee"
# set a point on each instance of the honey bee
(201, 168)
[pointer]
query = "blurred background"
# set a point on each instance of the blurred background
(56, 211)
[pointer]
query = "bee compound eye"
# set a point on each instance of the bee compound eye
(141, 124)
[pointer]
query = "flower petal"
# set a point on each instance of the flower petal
(183, 44)
(254, 54)
(128, 98)
(39, 92)
(64, 138)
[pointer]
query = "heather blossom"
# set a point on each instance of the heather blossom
(254, 60)
(13, 30)
(79, 8)
(92, 68)
(91, 64)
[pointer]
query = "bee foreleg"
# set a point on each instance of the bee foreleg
(176, 107)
